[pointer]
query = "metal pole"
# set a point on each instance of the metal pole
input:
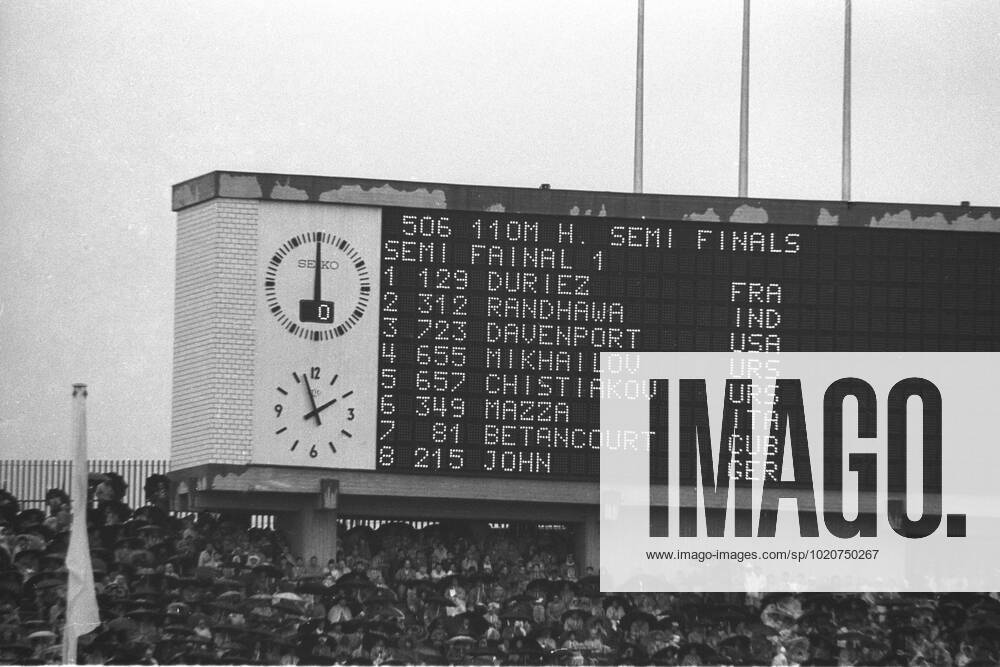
(637, 165)
(745, 99)
(845, 186)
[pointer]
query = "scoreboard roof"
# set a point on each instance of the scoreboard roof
(377, 192)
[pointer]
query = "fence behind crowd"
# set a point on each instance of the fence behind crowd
(29, 479)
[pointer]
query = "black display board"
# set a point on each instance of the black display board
(491, 323)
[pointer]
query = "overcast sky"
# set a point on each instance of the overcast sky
(103, 106)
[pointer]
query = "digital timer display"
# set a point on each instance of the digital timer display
(491, 324)
(319, 312)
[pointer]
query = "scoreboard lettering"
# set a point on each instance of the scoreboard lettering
(491, 324)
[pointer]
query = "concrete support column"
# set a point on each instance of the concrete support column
(319, 534)
(588, 542)
(312, 530)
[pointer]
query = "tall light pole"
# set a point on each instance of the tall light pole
(637, 163)
(745, 100)
(845, 184)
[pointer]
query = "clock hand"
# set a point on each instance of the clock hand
(317, 277)
(312, 401)
(315, 412)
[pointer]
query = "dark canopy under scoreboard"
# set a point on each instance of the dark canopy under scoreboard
(491, 323)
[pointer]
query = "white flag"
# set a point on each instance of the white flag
(82, 614)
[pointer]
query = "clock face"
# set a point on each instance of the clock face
(314, 414)
(316, 324)
(317, 286)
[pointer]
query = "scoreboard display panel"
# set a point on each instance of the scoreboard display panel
(491, 324)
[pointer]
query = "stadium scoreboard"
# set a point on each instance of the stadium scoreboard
(490, 325)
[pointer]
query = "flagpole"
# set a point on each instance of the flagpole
(82, 614)
(637, 164)
(745, 101)
(845, 184)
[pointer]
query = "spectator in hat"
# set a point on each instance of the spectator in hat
(440, 552)
(379, 652)
(538, 611)
(298, 569)
(118, 588)
(573, 623)
(406, 572)
(375, 576)
(60, 521)
(469, 564)
(313, 568)
(189, 531)
(615, 613)
(457, 595)
(9, 506)
(110, 488)
(7, 541)
(556, 608)
(569, 567)
(157, 491)
(492, 615)
(202, 630)
(595, 641)
(209, 557)
(55, 499)
(339, 611)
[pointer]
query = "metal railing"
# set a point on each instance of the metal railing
(29, 479)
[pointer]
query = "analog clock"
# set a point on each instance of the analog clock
(317, 286)
(316, 330)
(314, 413)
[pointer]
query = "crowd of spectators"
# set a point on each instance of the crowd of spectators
(206, 589)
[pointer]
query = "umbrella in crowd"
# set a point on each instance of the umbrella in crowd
(249, 606)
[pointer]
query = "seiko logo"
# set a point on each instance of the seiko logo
(324, 264)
